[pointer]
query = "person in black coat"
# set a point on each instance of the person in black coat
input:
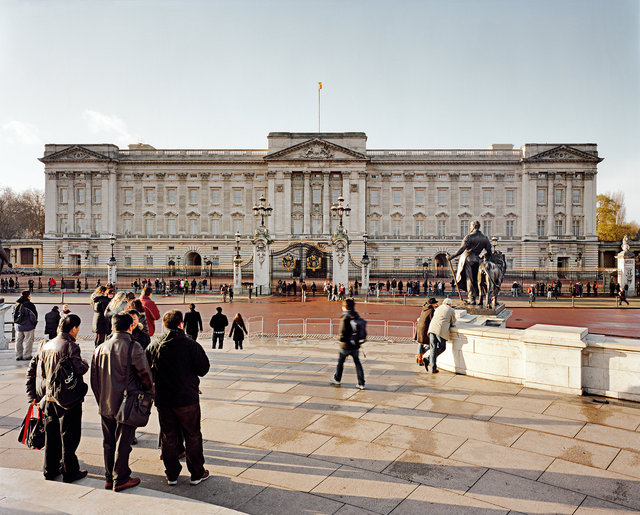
(51, 321)
(238, 330)
(218, 323)
(100, 324)
(192, 322)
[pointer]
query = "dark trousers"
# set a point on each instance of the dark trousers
(355, 354)
(116, 443)
(218, 337)
(187, 418)
(62, 437)
(100, 338)
(238, 344)
(437, 345)
(193, 335)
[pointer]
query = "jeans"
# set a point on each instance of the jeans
(116, 443)
(62, 436)
(26, 338)
(218, 337)
(354, 353)
(172, 420)
(437, 345)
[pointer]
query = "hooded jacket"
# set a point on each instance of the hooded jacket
(422, 328)
(31, 319)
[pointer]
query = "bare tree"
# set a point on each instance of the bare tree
(21, 214)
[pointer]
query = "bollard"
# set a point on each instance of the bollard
(573, 305)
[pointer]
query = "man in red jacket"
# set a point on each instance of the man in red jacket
(150, 310)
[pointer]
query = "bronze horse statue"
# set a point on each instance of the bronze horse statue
(490, 276)
(4, 258)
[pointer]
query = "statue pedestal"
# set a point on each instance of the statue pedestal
(237, 275)
(112, 273)
(4, 342)
(480, 310)
(340, 260)
(261, 265)
(627, 271)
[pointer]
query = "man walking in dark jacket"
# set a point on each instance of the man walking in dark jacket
(192, 322)
(218, 323)
(51, 321)
(62, 424)
(26, 318)
(347, 346)
(177, 363)
(110, 377)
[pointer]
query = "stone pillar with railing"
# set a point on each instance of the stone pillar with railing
(261, 242)
(340, 243)
(627, 267)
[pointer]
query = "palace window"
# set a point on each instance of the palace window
(464, 228)
(97, 195)
(559, 196)
(215, 226)
(62, 195)
(374, 227)
(171, 226)
(374, 197)
(542, 196)
(419, 227)
(215, 196)
(316, 195)
(193, 196)
(297, 226)
(396, 262)
(127, 225)
(128, 195)
(171, 195)
(97, 225)
(193, 226)
(149, 260)
(487, 227)
(149, 226)
(316, 225)
(237, 196)
(576, 200)
(442, 197)
(464, 197)
(541, 228)
(487, 197)
(215, 261)
(559, 225)
(237, 225)
(79, 224)
(576, 227)
(297, 195)
(334, 225)
(509, 228)
(419, 197)
(396, 227)
(397, 196)
(149, 196)
(442, 228)
(259, 193)
(510, 197)
(80, 195)
(127, 261)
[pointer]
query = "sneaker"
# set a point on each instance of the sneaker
(133, 481)
(108, 485)
(81, 474)
(204, 477)
(333, 380)
(172, 482)
(360, 387)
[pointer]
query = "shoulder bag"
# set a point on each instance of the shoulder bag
(136, 404)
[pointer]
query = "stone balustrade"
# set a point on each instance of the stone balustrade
(554, 358)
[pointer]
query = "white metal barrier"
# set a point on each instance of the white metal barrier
(255, 326)
(322, 328)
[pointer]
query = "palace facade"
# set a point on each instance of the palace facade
(185, 206)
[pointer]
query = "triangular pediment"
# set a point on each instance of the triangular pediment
(316, 149)
(75, 153)
(564, 153)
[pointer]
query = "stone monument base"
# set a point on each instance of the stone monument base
(472, 309)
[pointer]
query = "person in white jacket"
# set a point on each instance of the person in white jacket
(444, 318)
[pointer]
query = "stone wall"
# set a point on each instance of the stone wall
(555, 358)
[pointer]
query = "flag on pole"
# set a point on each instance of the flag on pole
(319, 85)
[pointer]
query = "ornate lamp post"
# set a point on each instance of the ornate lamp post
(61, 259)
(111, 266)
(365, 265)
(237, 270)
(340, 209)
(262, 209)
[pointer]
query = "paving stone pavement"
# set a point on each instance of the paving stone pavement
(279, 438)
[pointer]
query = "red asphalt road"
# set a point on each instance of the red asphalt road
(612, 322)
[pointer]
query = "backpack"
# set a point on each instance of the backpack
(67, 388)
(19, 315)
(358, 331)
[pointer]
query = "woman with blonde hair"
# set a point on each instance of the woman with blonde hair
(238, 330)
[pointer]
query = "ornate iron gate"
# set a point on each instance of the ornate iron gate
(301, 260)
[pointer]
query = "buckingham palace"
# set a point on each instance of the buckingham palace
(155, 207)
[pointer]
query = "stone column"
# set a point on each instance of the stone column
(237, 275)
(627, 268)
(227, 195)
(271, 195)
(589, 203)
(365, 274)
(326, 204)
(526, 211)
(110, 199)
(346, 193)
(568, 203)
(362, 201)
(261, 265)
(51, 205)
(306, 227)
(287, 204)
(551, 199)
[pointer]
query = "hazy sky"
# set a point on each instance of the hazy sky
(411, 74)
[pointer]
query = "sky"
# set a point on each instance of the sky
(411, 74)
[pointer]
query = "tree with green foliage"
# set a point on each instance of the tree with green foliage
(610, 218)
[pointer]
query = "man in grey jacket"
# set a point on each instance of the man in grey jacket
(444, 318)
(27, 314)
(110, 377)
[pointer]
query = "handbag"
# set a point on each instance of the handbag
(136, 404)
(32, 430)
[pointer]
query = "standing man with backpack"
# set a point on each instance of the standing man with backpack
(55, 374)
(353, 333)
(25, 316)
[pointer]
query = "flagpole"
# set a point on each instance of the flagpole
(319, 89)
